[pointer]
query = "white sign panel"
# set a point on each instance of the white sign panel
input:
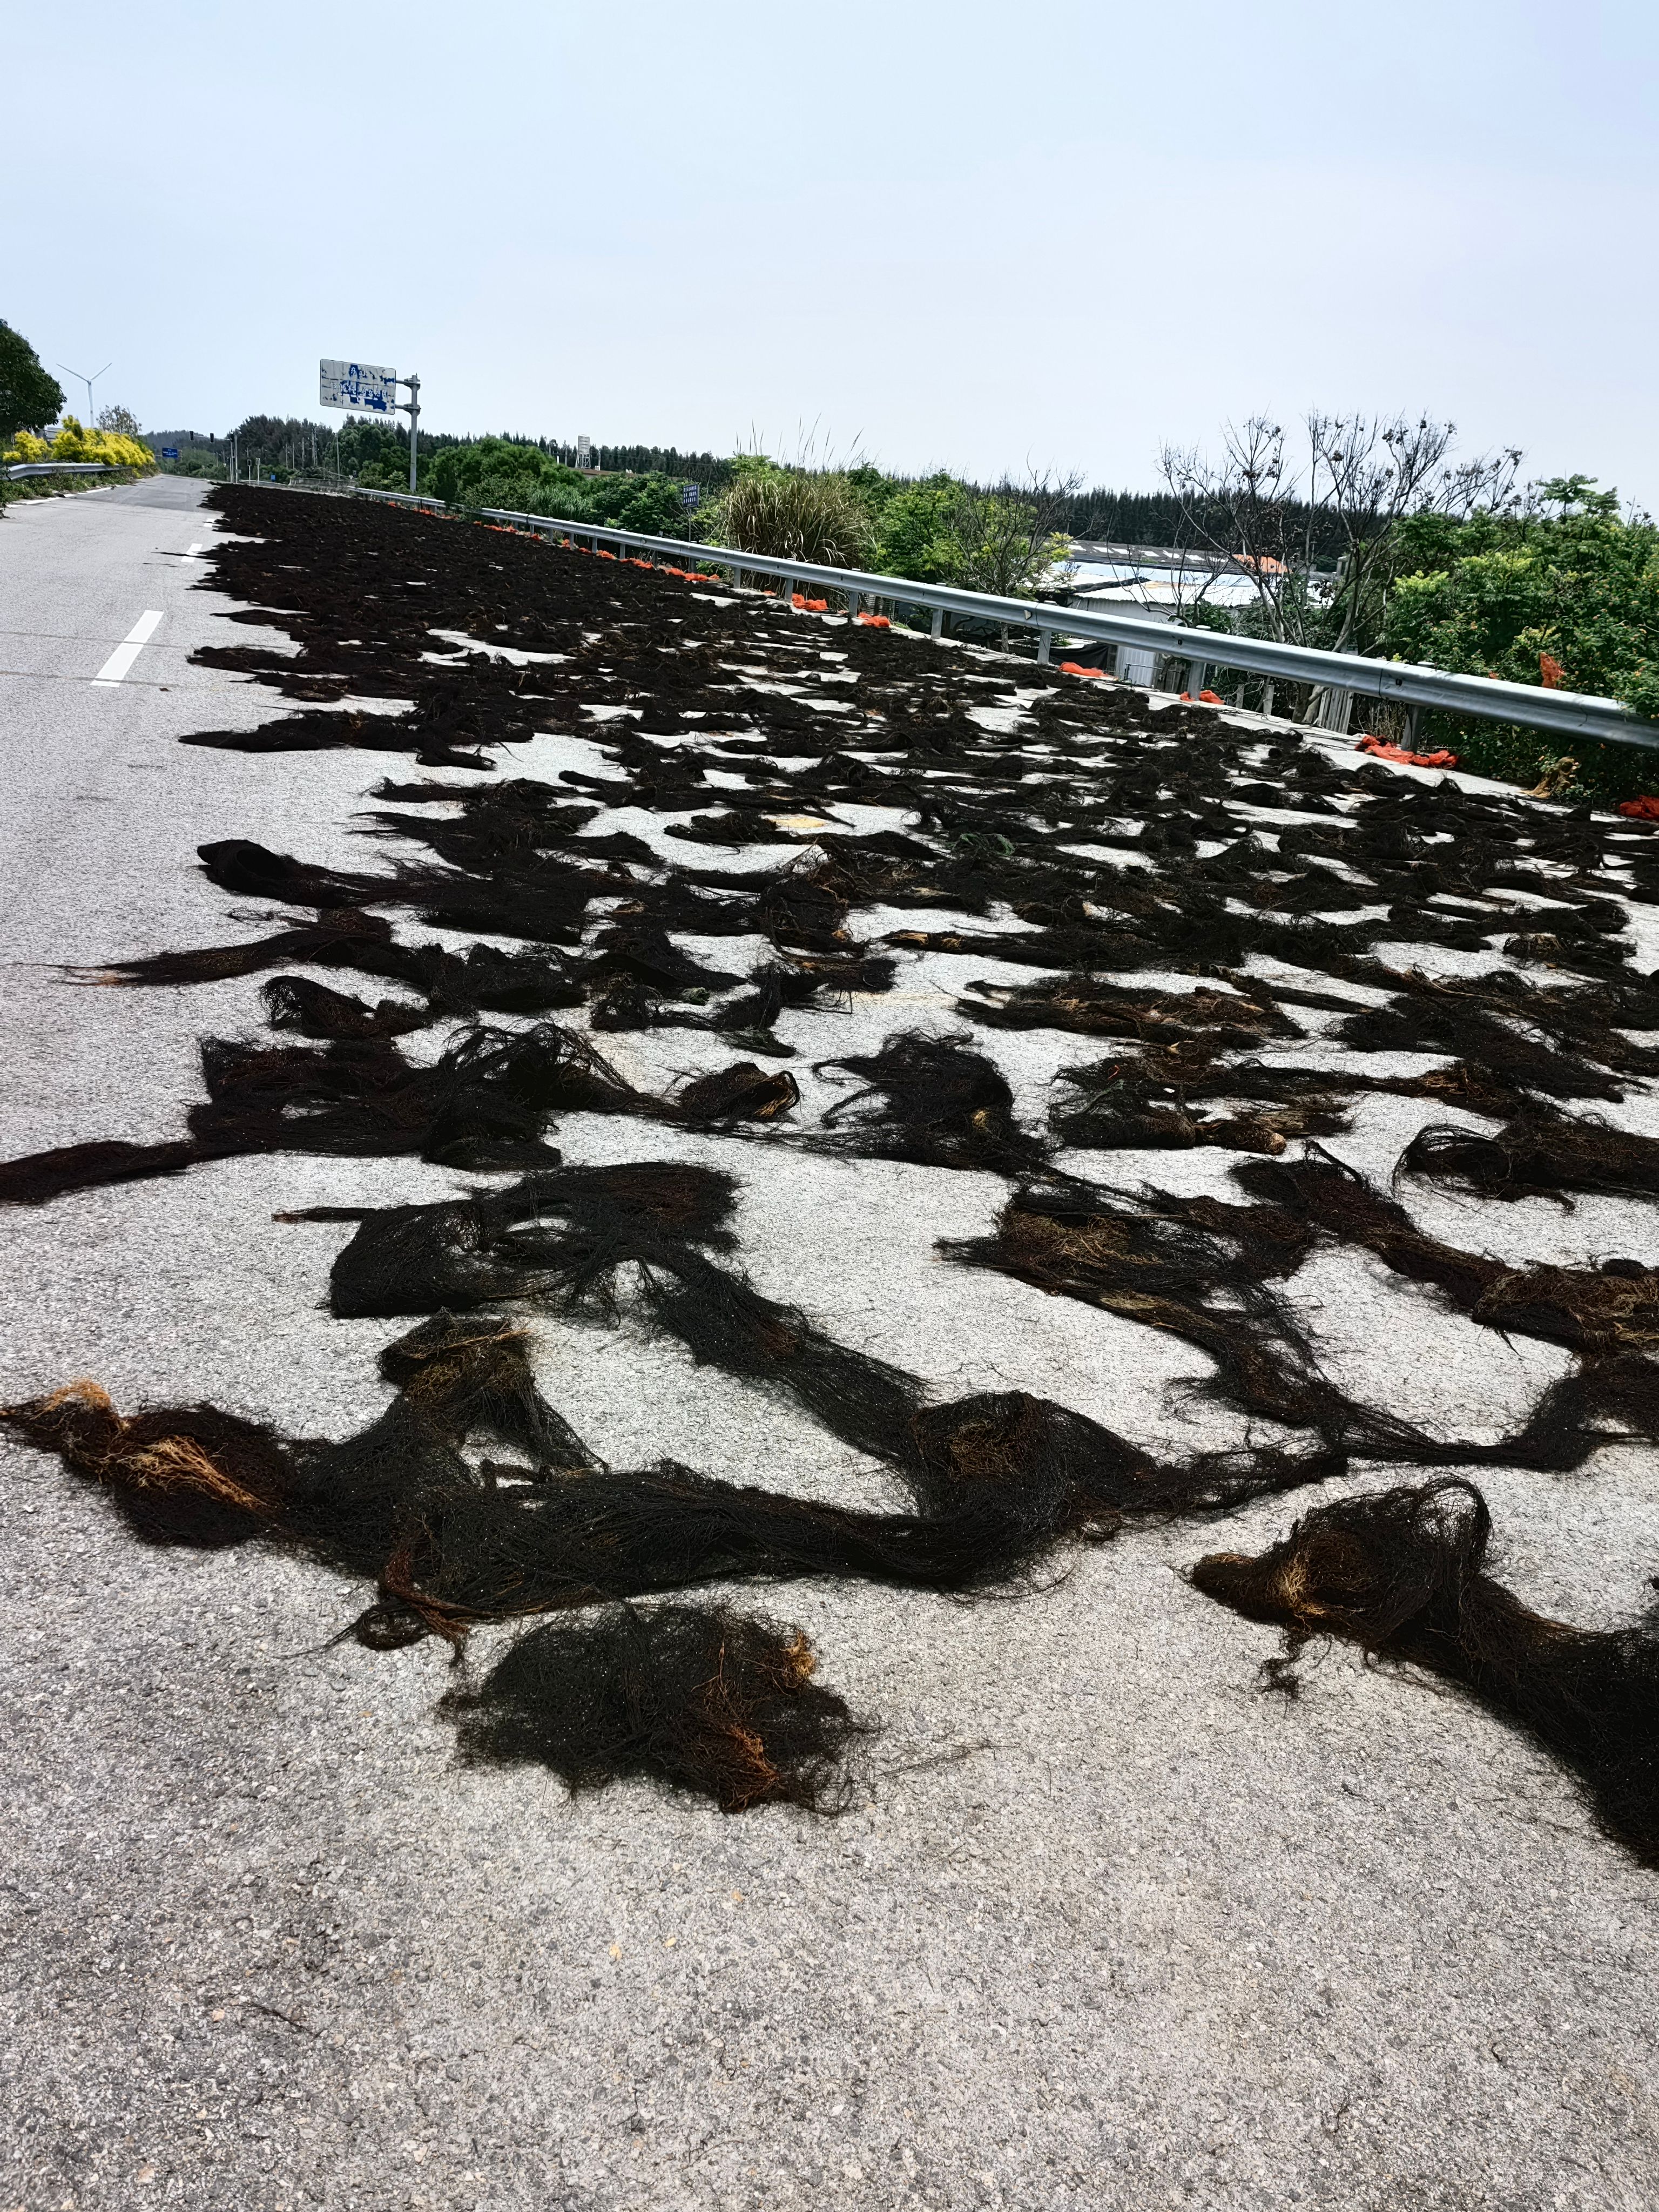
(357, 385)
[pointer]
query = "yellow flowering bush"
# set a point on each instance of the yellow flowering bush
(74, 443)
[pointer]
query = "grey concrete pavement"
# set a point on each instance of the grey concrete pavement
(1110, 1929)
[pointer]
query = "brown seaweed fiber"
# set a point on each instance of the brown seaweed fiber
(1612, 1308)
(1202, 1268)
(486, 1103)
(1537, 1156)
(1203, 1281)
(345, 938)
(38, 1177)
(1143, 1100)
(180, 1474)
(557, 1234)
(742, 1092)
(932, 1100)
(300, 1002)
(697, 1697)
(238, 864)
(1086, 1004)
(453, 1539)
(469, 1498)
(1403, 1573)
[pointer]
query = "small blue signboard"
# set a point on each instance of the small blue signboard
(691, 496)
(169, 453)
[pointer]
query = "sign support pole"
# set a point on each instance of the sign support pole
(412, 408)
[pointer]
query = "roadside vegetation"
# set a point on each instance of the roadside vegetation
(1359, 534)
(1455, 562)
(30, 398)
(1564, 593)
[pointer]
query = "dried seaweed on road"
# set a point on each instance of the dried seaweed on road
(700, 1697)
(932, 1100)
(758, 826)
(1538, 1156)
(1403, 1574)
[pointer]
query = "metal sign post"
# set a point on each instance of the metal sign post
(364, 389)
(414, 384)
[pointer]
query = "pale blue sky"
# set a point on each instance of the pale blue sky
(964, 235)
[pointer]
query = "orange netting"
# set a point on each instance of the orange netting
(1380, 748)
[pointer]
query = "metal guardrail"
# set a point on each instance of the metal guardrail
(1567, 713)
(15, 469)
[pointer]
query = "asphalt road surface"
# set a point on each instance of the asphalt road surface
(1113, 1928)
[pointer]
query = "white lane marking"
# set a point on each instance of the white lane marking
(120, 661)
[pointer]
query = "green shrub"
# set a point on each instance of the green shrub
(497, 472)
(1571, 599)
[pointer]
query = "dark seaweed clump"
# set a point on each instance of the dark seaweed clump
(699, 1696)
(1403, 1573)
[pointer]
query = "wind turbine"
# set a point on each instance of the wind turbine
(80, 377)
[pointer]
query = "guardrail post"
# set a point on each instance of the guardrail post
(1196, 672)
(1336, 709)
(851, 607)
(1045, 639)
(737, 580)
(938, 622)
(787, 590)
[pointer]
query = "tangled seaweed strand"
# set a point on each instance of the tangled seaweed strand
(1612, 1308)
(1403, 1573)
(937, 1103)
(1541, 1156)
(1144, 1100)
(698, 1696)
(1202, 1269)
(486, 1103)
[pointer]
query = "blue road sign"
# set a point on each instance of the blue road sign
(691, 496)
(169, 453)
(357, 385)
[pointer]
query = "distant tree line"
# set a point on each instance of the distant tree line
(375, 453)
(1165, 518)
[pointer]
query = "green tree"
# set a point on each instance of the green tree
(501, 472)
(29, 397)
(1568, 598)
(1004, 544)
(1563, 594)
(917, 535)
